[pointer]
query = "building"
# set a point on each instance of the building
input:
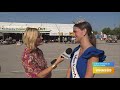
(49, 31)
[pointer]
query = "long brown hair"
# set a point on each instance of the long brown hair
(86, 25)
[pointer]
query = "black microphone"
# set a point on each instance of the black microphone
(66, 54)
(53, 61)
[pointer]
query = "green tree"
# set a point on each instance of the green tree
(95, 32)
(117, 32)
(106, 31)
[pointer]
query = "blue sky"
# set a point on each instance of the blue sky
(98, 20)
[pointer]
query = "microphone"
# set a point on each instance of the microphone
(66, 54)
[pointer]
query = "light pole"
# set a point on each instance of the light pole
(59, 32)
(3, 32)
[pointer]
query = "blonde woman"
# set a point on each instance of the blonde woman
(33, 59)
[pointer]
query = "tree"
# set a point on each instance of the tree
(95, 32)
(117, 32)
(106, 31)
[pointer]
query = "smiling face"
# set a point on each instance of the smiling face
(39, 40)
(79, 34)
(83, 32)
(32, 38)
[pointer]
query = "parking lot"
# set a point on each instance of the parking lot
(11, 67)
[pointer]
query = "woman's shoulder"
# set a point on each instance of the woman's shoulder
(26, 54)
(39, 50)
(93, 51)
(76, 48)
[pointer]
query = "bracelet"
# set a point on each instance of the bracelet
(54, 66)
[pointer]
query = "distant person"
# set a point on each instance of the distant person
(73, 40)
(33, 59)
(85, 54)
(65, 40)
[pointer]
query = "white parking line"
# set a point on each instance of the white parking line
(17, 71)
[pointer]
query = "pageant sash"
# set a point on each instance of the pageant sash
(74, 64)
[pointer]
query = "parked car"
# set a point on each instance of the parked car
(111, 40)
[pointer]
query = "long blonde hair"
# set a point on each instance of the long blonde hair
(30, 37)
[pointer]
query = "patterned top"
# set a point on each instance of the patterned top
(34, 62)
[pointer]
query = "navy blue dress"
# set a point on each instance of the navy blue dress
(83, 59)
